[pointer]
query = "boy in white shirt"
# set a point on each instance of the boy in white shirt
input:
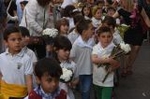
(16, 67)
(101, 55)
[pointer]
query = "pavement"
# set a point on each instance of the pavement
(137, 85)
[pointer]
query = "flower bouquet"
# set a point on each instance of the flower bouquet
(66, 76)
(122, 29)
(117, 52)
(51, 32)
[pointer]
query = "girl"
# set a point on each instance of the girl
(86, 12)
(62, 47)
(62, 26)
(97, 15)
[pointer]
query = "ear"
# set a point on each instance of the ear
(5, 43)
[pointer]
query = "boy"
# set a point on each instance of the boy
(101, 55)
(81, 55)
(25, 41)
(16, 67)
(48, 72)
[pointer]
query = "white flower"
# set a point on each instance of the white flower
(125, 47)
(51, 32)
(67, 74)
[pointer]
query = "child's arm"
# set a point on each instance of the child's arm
(113, 63)
(29, 83)
(97, 60)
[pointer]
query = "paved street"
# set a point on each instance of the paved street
(137, 86)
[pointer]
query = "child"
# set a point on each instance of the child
(81, 55)
(25, 41)
(16, 67)
(73, 35)
(97, 16)
(62, 26)
(111, 23)
(86, 12)
(47, 72)
(100, 55)
(62, 47)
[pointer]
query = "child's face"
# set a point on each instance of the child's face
(14, 42)
(49, 84)
(63, 54)
(110, 12)
(105, 38)
(86, 11)
(90, 31)
(98, 14)
(25, 41)
(64, 29)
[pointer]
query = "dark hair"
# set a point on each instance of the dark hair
(68, 10)
(24, 2)
(24, 31)
(77, 18)
(62, 21)
(83, 25)
(9, 30)
(102, 30)
(111, 8)
(47, 65)
(109, 21)
(62, 42)
(43, 3)
(89, 7)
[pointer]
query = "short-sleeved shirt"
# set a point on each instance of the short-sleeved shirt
(15, 68)
(99, 72)
(82, 58)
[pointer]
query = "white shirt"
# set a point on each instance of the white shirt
(15, 68)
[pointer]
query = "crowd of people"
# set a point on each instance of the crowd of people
(41, 38)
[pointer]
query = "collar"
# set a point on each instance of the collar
(79, 41)
(20, 54)
(39, 90)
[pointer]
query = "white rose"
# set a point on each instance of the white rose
(125, 47)
(67, 74)
(50, 32)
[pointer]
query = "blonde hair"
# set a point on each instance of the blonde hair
(128, 4)
(94, 9)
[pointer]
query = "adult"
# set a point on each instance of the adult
(11, 9)
(3, 16)
(133, 36)
(37, 17)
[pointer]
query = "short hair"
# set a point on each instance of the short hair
(24, 31)
(83, 25)
(109, 21)
(77, 18)
(24, 2)
(102, 30)
(68, 10)
(111, 8)
(62, 21)
(62, 42)
(9, 30)
(47, 65)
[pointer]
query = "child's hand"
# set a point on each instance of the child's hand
(74, 83)
(113, 63)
